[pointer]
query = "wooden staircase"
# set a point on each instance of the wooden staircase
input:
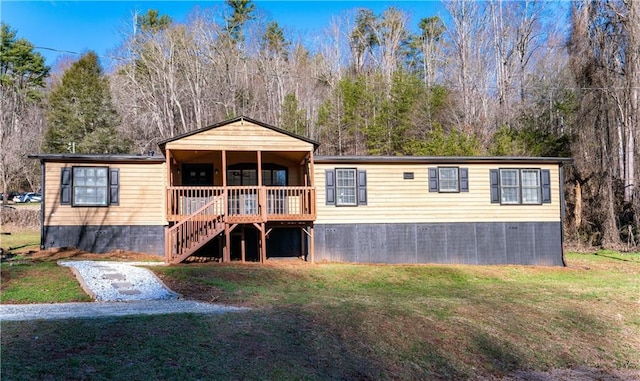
(190, 234)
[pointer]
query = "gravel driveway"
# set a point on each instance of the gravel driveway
(119, 289)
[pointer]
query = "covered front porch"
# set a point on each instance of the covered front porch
(215, 195)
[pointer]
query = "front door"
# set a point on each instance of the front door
(197, 174)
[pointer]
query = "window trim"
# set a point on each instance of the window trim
(355, 187)
(543, 189)
(242, 167)
(457, 180)
(538, 187)
(68, 185)
(106, 187)
(462, 180)
(331, 194)
(517, 186)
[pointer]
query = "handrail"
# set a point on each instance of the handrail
(245, 203)
(188, 235)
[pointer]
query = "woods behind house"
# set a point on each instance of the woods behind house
(495, 78)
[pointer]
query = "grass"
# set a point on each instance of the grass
(21, 240)
(342, 321)
(39, 282)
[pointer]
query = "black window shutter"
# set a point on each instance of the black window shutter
(114, 186)
(495, 186)
(65, 186)
(464, 179)
(433, 179)
(546, 186)
(330, 185)
(362, 187)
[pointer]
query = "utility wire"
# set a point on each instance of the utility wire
(56, 50)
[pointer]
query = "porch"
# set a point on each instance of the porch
(214, 195)
(243, 204)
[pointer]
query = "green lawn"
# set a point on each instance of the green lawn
(21, 240)
(342, 321)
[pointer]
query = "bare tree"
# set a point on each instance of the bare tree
(604, 46)
(470, 57)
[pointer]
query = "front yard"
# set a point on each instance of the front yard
(342, 321)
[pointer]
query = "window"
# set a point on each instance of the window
(346, 187)
(510, 189)
(520, 186)
(448, 179)
(89, 186)
(531, 190)
(247, 175)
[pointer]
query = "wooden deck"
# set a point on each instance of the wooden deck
(243, 204)
(199, 214)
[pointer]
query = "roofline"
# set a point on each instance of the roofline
(163, 143)
(97, 158)
(441, 159)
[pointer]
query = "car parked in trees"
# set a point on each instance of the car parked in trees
(28, 197)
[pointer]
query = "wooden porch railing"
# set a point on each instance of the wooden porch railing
(244, 204)
(290, 203)
(193, 232)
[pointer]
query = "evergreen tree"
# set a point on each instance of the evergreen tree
(153, 22)
(293, 118)
(81, 116)
(20, 67)
(274, 42)
(23, 76)
(242, 12)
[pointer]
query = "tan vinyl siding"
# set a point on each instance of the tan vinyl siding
(240, 136)
(142, 199)
(390, 199)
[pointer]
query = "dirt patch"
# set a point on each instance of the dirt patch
(193, 291)
(57, 254)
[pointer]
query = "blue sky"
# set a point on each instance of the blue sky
(78, 26)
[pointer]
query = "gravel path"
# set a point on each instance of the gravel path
(118, 281)
(119, 289)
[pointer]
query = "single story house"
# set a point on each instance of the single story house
(245, 190)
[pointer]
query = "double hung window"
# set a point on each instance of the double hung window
(514, 186)
(346, 187)
(448, 179)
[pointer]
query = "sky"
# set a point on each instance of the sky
(56, 27)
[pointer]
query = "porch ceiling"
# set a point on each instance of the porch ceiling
(187, 155)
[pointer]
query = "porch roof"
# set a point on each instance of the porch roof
(162, 144)
(98, 158)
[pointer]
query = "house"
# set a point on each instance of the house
(245, 190)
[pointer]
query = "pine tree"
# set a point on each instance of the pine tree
(81, 116)
(242, 12)
(23, 76)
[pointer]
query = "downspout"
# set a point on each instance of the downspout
(42, 202)
(562, 212)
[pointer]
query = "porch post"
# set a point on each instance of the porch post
(224, 168)
(259, 154)
(243, 248)
(226, 252)
(311, 244)
(311, 170)
(263, 244)
(167, 194)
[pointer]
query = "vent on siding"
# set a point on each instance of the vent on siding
(407, 175)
